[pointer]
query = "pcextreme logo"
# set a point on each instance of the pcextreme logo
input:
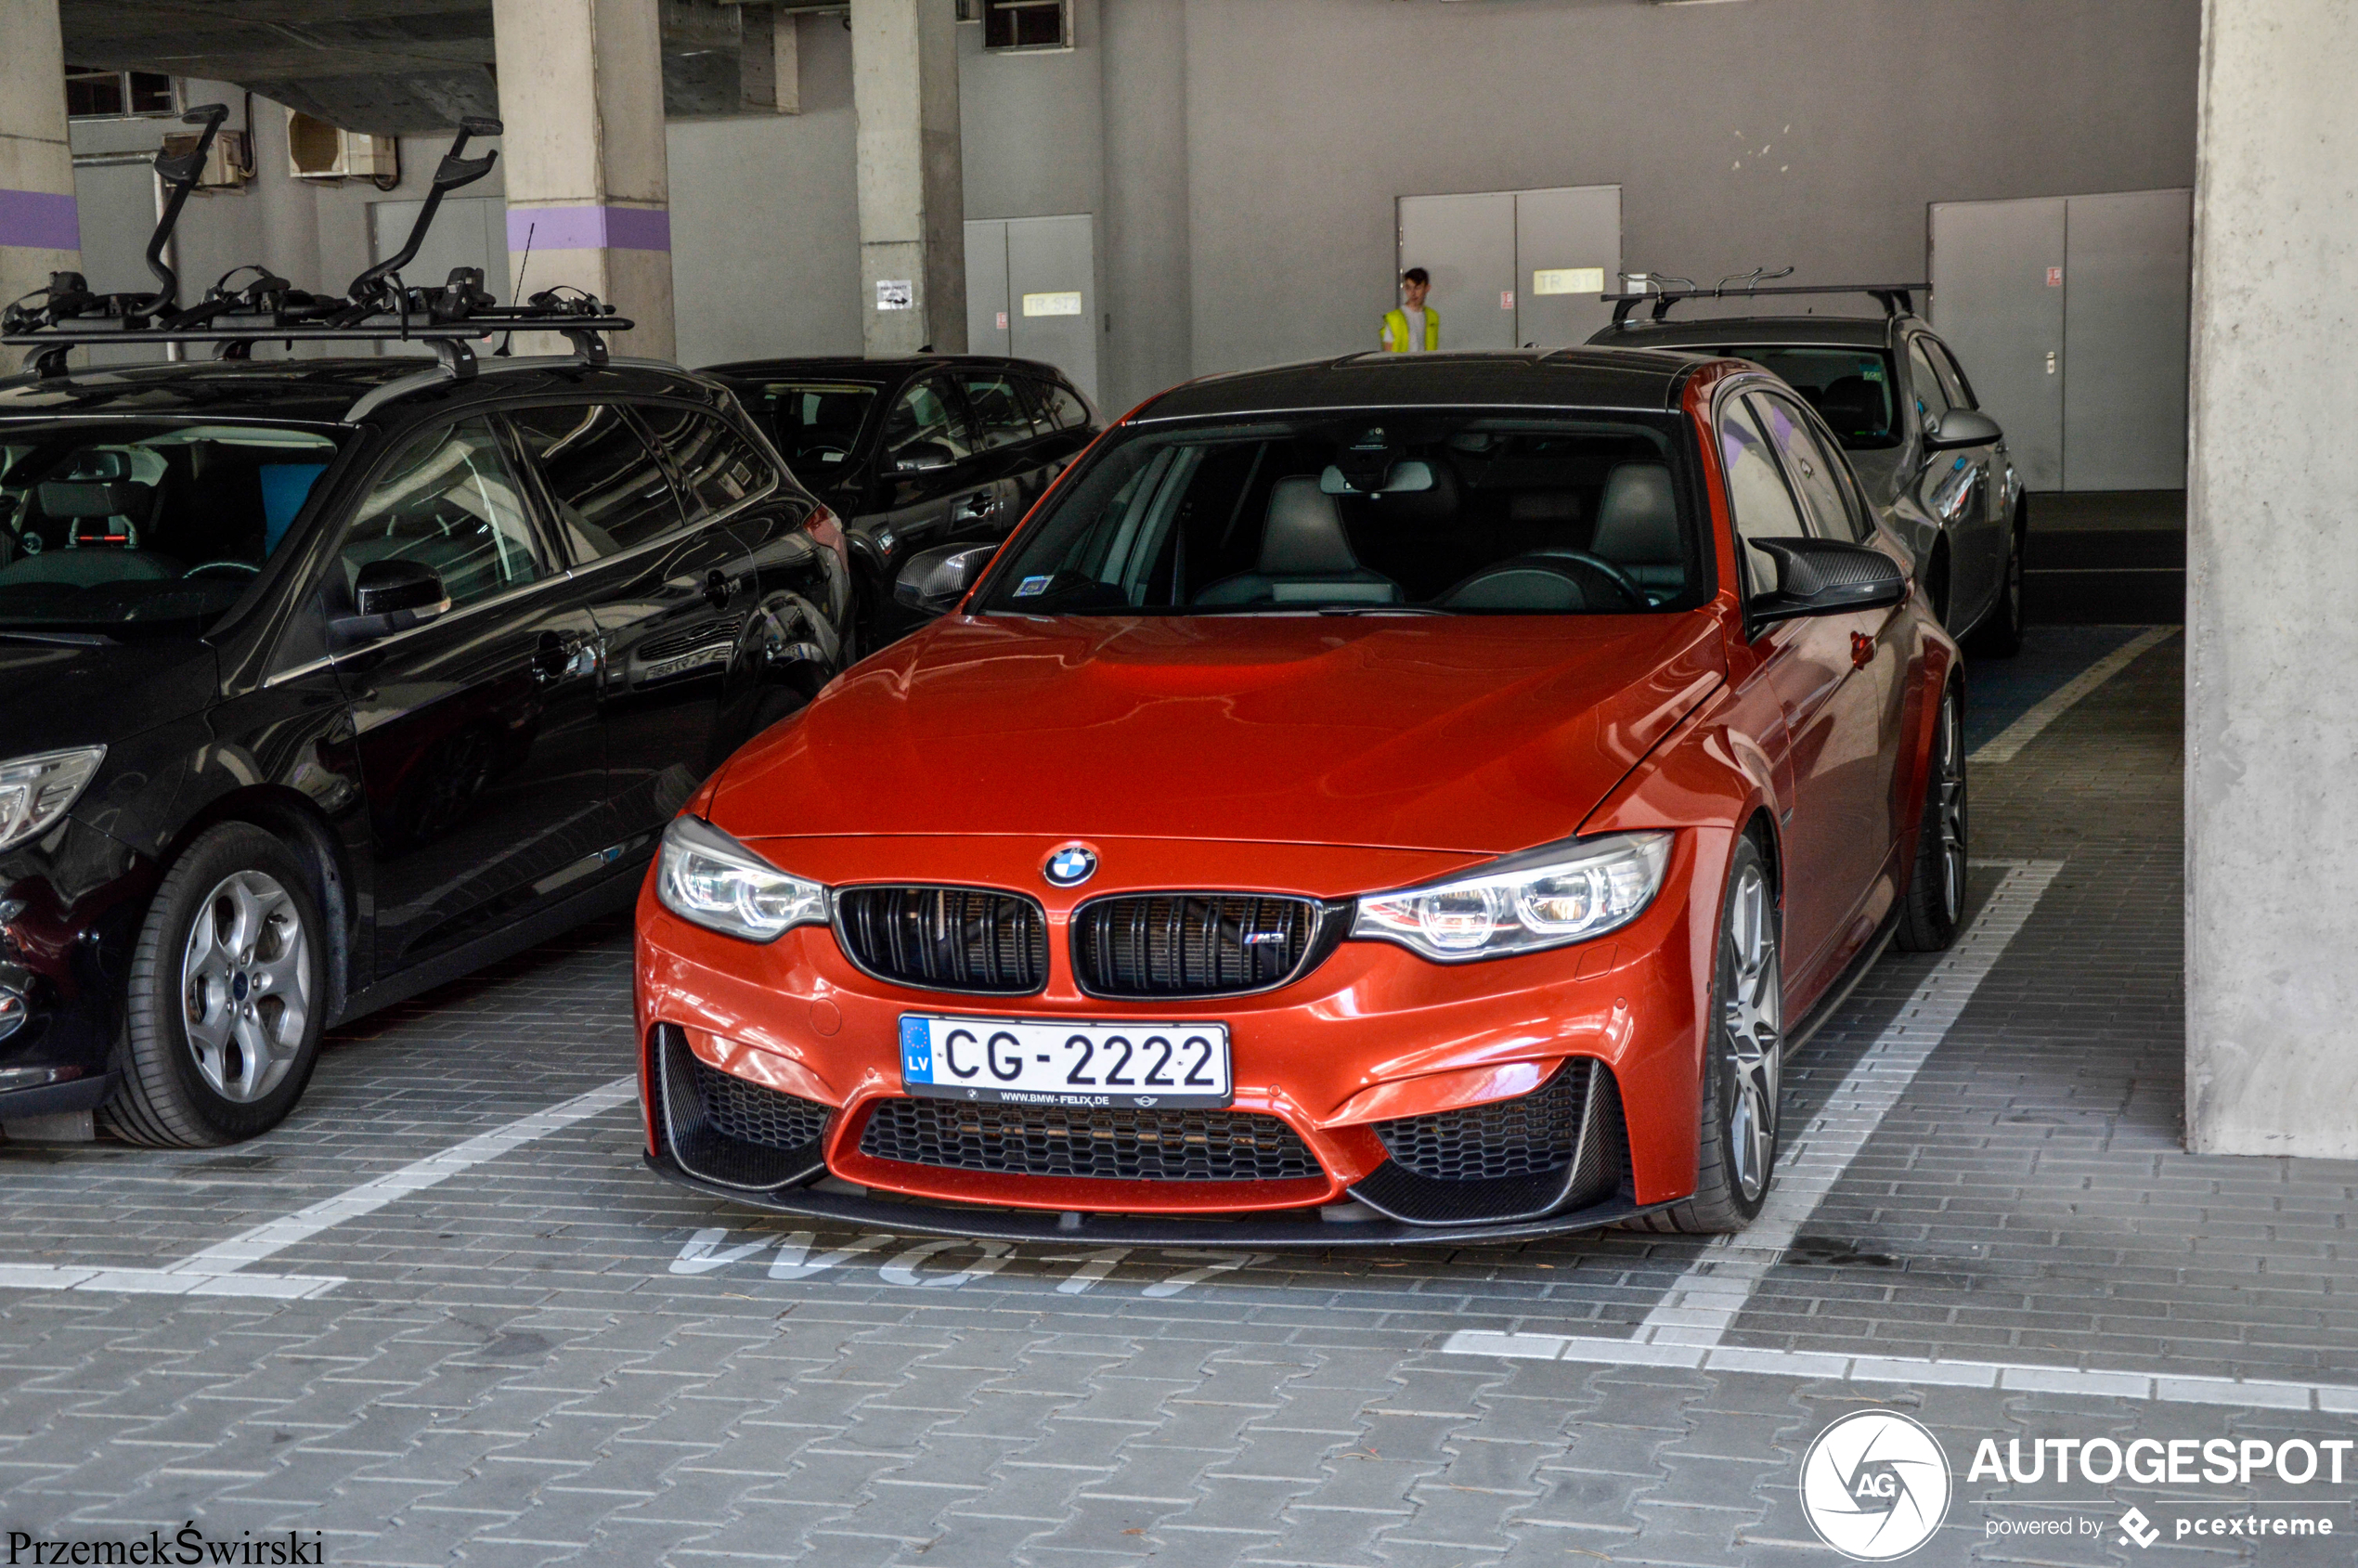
(1876, 1485)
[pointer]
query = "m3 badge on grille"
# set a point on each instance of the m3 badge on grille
(1070, 865)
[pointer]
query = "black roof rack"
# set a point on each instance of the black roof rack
(377, 307)
(1896, 299)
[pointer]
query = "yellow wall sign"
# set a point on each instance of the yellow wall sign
(1052, 305)
(1569, 280)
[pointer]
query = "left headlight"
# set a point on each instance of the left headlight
(37, 790)
(1542, 898)
(708, 879)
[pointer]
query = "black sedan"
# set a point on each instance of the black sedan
(323, 681)
(917, 452)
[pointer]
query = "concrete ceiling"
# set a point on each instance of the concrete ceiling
(380, 66)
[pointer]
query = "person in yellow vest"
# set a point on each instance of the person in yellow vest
(1414, 327)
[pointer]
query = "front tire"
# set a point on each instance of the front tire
(226, 998)
(1934, 906)
(2000, 634)
(1743, 1066)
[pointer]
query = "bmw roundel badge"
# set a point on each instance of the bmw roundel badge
(1071, 865)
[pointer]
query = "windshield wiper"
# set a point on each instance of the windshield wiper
(67, 639)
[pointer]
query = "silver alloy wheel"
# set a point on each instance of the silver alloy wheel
(246, 986)
(1751, 1011)
(1949, 805)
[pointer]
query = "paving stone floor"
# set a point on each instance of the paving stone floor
(551, 1356)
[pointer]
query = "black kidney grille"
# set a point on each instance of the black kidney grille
(1150, 945)
(1159, 1145)
(1528, 1135)
(946, 938)
(754, 1114)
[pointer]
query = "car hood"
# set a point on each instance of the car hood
(56, 694)
(1463, 733)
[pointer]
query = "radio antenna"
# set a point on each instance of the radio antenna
(523, 266)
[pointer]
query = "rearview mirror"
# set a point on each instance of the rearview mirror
(933, 580)
(922, 457)
(1962, 427)
(1824, 578)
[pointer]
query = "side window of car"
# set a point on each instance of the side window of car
(450, 501)
(717, 466)
(1952, 375)
(922, 425)
(1932, 401)
(1063, 406)
(611, 493)
(1765, 508)
(1814, 474)
(996, 409)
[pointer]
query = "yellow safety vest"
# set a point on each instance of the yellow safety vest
(1395, 326)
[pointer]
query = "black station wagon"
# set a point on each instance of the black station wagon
(325, 680)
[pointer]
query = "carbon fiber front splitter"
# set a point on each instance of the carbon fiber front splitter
(1287, 1228)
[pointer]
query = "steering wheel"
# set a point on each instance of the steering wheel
(1602, 567)
(204, 566)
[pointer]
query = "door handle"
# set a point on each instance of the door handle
(551, 657)
(981, 504)
(718, 588)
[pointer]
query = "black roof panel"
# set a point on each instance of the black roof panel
(321, 391)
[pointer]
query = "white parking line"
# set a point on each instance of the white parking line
(2338, 1398)
(1704, 1300)
(2001, 746)
(215, 1270)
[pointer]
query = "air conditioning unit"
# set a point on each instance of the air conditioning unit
(316, 150)
(228, 164)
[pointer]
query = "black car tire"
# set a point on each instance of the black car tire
(162, 1097)
(1742, 1058)
(1934, 906)
(2000, 634)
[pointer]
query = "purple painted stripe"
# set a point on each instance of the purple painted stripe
(589, 228)
(39, 220)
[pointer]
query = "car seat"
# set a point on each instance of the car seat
(1305, 556)
(1854, 405)
(1637, 529)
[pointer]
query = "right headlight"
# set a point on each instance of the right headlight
(709, 879)
(36, 791)
(1544, 898)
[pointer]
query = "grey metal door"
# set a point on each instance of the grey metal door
(1467, 245)
(1052, 290)
(1998, 270)
(1567, 251)
(2126, 281)
(986, 313)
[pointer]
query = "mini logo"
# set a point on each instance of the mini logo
(1071, 865)
(1876, 1485)
(2136, 1527)
(1145, 1100)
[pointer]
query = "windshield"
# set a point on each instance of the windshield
(816, 423)
(1849, 387)
(146, 521)
(1433, 512)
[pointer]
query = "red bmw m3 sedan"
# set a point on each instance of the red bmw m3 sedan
(1392, 800)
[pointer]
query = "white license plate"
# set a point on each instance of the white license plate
(1031, 1062)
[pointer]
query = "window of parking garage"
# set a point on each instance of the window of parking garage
(1026, 24)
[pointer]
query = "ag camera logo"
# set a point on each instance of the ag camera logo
(1876, 1485)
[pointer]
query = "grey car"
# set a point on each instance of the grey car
(1896, 398)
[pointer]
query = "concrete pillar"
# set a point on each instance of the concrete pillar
(2272, 718)
(913, 217)
(38, 231)
(589, 184)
